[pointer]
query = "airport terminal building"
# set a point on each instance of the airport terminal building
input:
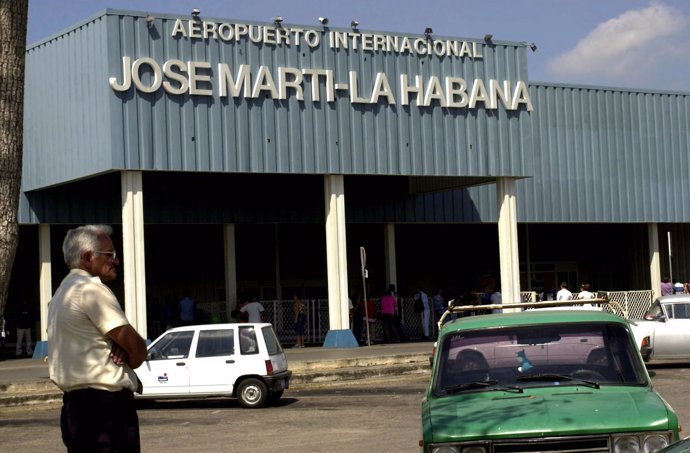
(238, 159)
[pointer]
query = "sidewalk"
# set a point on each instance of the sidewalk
(25, 381)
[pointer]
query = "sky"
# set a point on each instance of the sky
(639, 44)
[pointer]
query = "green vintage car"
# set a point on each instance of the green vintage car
(542, 381)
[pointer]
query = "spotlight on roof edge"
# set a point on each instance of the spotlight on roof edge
(354, 24)
(278, 20)
(428, 31)
(488, 37)
(196, 12)
(533, 47)
(323, 20)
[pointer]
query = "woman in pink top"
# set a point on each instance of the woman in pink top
(389, 319)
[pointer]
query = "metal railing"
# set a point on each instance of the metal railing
(280, 313)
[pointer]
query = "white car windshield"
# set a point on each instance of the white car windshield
(513, 358)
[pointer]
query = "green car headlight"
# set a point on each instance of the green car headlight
(475, 449)
(459, 449)
(640, 443)
(626, 444)
(654, 443)
(445, 450)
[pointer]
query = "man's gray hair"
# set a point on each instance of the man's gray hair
(82, 239)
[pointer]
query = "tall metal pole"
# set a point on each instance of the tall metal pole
(363, 261)
(670, 253)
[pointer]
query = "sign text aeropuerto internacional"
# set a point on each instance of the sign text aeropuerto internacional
(201, 78)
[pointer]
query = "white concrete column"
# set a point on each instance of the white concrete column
(230, 268)
(508, 240)
(336, 252)
(133, 262)
(45, 280)
(389, 244)
(654, 258)
(339, 334)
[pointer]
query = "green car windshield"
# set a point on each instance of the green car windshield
(517, 357)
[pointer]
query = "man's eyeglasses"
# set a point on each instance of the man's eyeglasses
(113, 253)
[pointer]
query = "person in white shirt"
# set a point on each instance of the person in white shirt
(254, 310)
(585, 293)
(564, 293)
(93, 349)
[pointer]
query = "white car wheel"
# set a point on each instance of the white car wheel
(252, 393)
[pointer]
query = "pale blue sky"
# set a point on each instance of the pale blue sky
(621, 43)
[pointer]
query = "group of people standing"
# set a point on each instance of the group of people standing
(365, 314)
(668, 288)
(364, 317)
(432, 308)
(565, 294)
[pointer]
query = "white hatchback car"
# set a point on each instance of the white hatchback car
(245, 361)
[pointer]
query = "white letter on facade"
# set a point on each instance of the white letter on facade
(195, 78)
(126, 76)
(405, 89)
(434, 91)
(456, 86)
(178, 28)
(382, 88)
(295, 83)
(169, 72)
(521, 96)
(226, 80)
(264, 82)
(354, 90)
(478, 94)
(157, 75)
(496, 93)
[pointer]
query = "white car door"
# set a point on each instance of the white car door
(166, 371)
(214, 367)
(672, 336)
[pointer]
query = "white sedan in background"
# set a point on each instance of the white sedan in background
(667, 323)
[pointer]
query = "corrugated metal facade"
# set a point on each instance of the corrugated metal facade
(67, 122)
(100, 129)
(590, 154)
(607, 155)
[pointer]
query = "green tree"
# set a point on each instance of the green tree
(13, 14)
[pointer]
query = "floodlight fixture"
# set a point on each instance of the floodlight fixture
(196, 12)
(428, 31)
(533, 46)
(488, 37)
(277, 20)
(149, 20)
(323, 20)
(354, 24)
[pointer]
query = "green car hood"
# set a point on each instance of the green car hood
(561, 411)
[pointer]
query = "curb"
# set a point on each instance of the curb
(304, 373)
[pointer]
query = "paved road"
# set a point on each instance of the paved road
(376, 415)
(381, 416)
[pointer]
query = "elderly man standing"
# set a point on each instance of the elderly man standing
(93, 350)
